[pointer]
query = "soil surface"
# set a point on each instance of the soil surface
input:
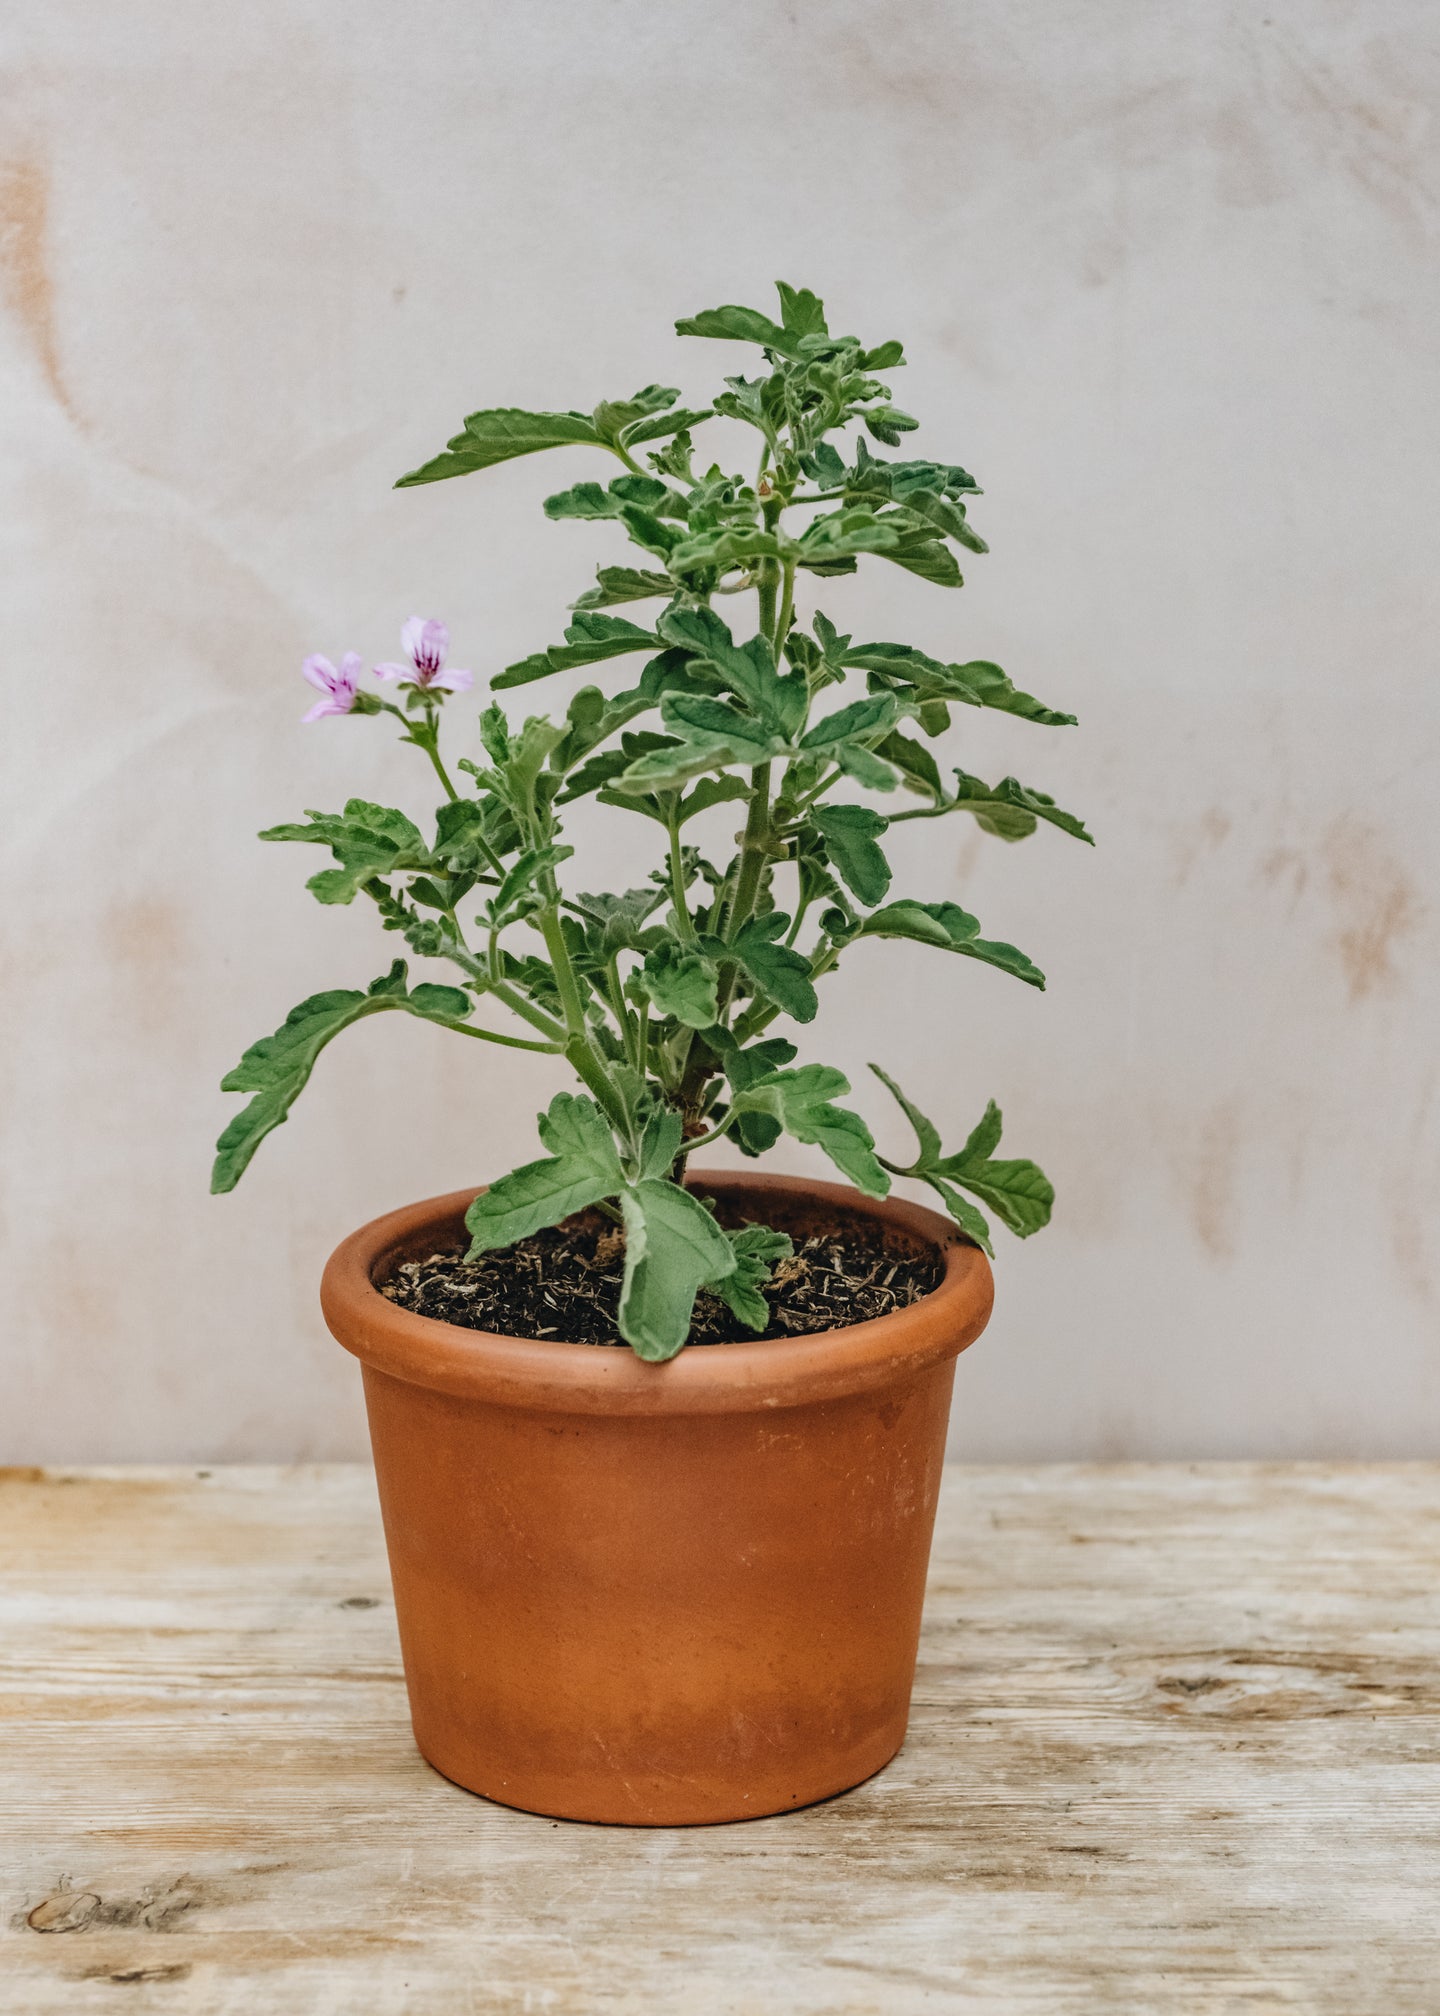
(565, 1284)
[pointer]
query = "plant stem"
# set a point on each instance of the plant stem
(677, 882)
(440, 771)
(704, 1140)
(494, 1036)
(578, 1048)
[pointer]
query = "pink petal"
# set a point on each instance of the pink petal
(427, 640)
(320, 672)
(351, 666)
(455, 681)
(390, 670)
(329, 705)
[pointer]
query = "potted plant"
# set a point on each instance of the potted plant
(656, 1584)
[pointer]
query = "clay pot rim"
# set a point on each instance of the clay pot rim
(550, 1376)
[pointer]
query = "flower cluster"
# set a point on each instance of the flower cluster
(425, 641)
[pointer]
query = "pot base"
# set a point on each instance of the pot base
(656, 1805)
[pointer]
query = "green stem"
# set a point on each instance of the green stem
(578, 1048)
(787, 609)
(440, 771)
(715, 1134)
(677, 882)
(494, 1036)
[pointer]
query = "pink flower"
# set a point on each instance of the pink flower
(337, 688)
(425, 640)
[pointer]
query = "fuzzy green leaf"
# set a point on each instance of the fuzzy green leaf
(682, 983)
(673, 1247)
(1019, 1193)
(860, 717)
(975, 684)
(589, 640)
(1010, 810)
(624, 584)
(952, 929)
(581, 1169)
(802, 1101)
(748, 669)
(277, 1067)
(778, 970)
(366, 839)
(756, 1250)
(499, 434)
(661, 424)
(850, 833)
(927, 1134)
(914, 762)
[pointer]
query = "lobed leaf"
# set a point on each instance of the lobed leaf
(850, 834)
(803, 1102)
(583, 1168)
(277, 1068)
(756, 1249)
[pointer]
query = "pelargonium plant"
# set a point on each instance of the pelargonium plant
(664, 998)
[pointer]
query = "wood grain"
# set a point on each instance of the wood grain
(1175, 1746)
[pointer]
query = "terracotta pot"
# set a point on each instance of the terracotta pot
(660, 1594)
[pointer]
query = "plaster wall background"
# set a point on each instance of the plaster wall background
(1167, 277)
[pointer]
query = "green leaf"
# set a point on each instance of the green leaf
(914, 762)
(588, 500)
(711, 791)
(971, 1222)
(277, 1067)
(984, 1136)
(666, 423)
(756, 1250)
(724, 546)
(741, 325)
(715, 721)
(612, 417)
(624, 584)
(524, 872)
(886, 357)
(860, 717)
(660, 1143)
(682, 983)
(802, 1101)
(582, 1169)
(1019, 1193)
(590, 639)
(888, 423)
(952, 929)
(802, 313)
(976, 684)
(621, 919)
(499, 434)
(1010, 810)
(366, 839)
(748, 669)
(673, 1247)
(869, 772)
(919, 552)
(778, 970)
(926, 1132)
(850, 833)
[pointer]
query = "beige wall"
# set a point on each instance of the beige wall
(1168, 277)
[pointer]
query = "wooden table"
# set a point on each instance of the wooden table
(1174, 1747)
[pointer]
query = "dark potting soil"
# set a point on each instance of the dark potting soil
(564, 1284)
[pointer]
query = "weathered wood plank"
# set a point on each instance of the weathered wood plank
(1176, 1746)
